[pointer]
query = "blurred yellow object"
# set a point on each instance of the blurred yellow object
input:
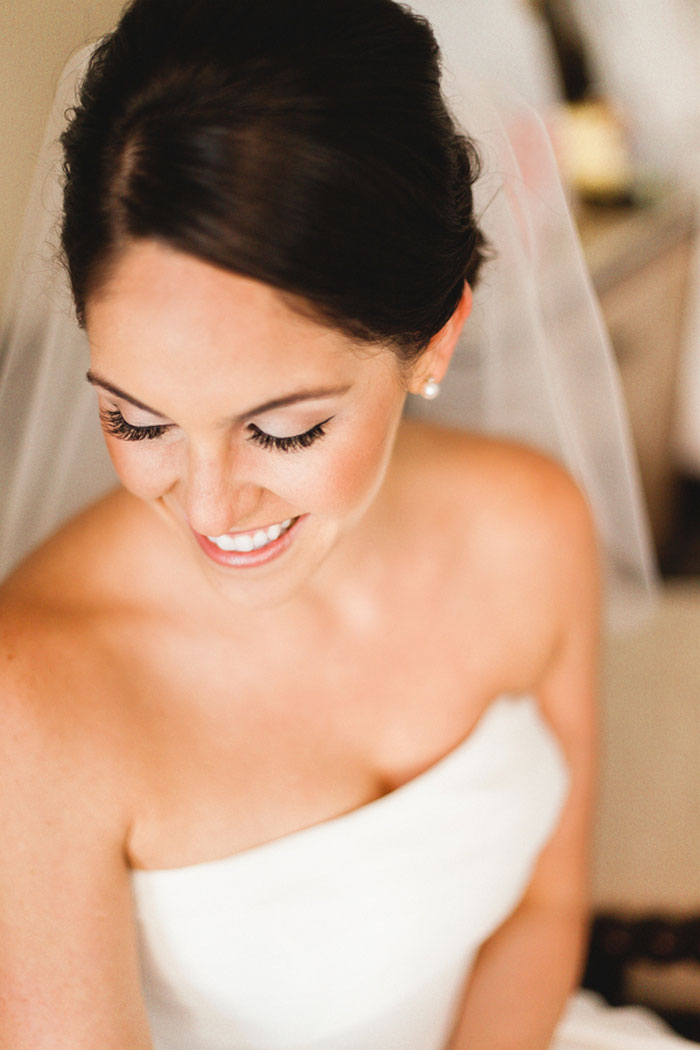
(594, 156)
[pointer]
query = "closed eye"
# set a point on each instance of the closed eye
(114, 423)
(287, 444)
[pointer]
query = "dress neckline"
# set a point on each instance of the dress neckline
(376, 805)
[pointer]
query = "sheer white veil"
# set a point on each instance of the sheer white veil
(534, 362)
(52, 456)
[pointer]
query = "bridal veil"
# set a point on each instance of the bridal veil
(534, 363)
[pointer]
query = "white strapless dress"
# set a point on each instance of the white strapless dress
(358, 933)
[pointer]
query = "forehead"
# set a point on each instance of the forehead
(164, 323)
(151, 282)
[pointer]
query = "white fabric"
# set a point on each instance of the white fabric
(359, 933)
(355, 933)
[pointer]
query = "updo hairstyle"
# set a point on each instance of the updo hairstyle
(303, 143)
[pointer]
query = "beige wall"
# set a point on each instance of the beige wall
(36, 38)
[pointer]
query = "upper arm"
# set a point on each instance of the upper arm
(567, 691)
(68, 956)
(538, 556)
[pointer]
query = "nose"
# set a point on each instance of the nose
(213, 497)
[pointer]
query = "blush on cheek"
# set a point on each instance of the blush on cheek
(142, 470)
(350, 479)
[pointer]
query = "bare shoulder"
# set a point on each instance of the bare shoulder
(75, 565)
(509, 496)
(523, 537)
(58, 682)
(58, 750)
(54, 679)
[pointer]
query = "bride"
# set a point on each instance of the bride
(299, 722)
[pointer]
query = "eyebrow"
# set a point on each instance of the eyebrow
(315, 393)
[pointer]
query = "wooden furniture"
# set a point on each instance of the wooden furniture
(639, 258)
(645, 940)
(618, 946)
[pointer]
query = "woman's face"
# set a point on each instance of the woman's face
(262, 435)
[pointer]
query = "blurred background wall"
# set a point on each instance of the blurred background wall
(36, 38)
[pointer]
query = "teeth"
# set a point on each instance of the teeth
(243, 542)
(260, 538)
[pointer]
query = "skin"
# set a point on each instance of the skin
(145, 686)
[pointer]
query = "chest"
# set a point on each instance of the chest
(241, 745)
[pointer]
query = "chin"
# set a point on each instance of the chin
(256, 597)
(271, 585)
(258, 594)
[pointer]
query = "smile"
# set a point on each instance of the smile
(244, 542)
(246, 550)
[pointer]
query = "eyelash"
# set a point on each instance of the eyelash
(287, 444)
(114, 423)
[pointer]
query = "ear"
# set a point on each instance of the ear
(435, 359)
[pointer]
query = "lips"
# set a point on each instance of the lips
(248, 549)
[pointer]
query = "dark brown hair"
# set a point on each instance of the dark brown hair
(305, 144)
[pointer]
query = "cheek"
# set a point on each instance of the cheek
(343, 477)
(144, 470)
(348, 477)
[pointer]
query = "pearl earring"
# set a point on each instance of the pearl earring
(430, 389)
